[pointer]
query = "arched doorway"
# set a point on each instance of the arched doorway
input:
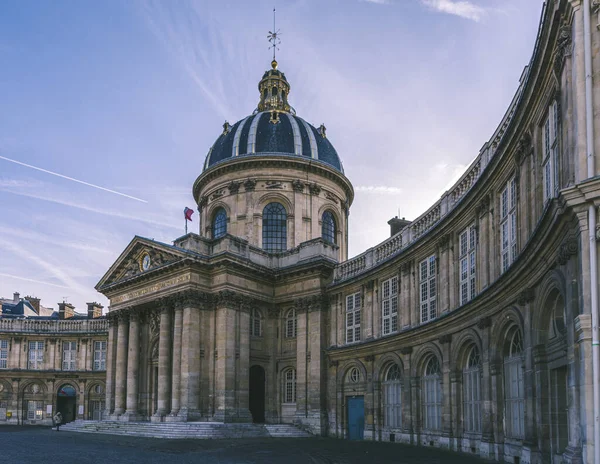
(66, 402)
(257, 394)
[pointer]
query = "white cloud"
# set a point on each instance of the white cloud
(378, 189)
(462, 8)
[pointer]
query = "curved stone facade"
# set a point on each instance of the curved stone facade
(469, 329)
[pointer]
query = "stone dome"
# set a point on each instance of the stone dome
(273, 129)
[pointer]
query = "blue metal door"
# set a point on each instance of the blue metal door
(356, 417)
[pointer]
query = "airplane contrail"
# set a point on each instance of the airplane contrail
(71, 178)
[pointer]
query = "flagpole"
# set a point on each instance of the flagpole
(185, 226)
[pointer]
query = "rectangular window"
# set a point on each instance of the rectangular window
(35, 410)
(508, 224)
(69, 356)
(99, 356)
(389, 306)
(550, 150)
(467, 263)
(3, 354)
(428, 289)
(353, 318)
(36, 355)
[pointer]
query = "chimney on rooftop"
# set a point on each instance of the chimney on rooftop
(65, 310)
(94, 310)
(16, 296)
(396, 225)
(35, 302)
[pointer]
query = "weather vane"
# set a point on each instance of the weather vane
(274, 37)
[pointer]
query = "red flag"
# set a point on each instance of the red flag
(187, 212)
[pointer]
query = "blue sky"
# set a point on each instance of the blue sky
(130, 96)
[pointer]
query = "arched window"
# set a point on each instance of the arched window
(289, 393)
(255, 323)
(291, 324)
(392, 398)
(328, 229)
(514, 391)
(472, 391)
(431, 394)
(219, 224)
(274, 223)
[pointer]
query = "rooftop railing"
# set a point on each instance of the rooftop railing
(53, 326)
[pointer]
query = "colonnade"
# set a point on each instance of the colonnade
(200, 370)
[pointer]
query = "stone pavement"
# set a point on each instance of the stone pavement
(41, 445)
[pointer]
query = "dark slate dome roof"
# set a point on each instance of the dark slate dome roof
(273, 129)
(259, 135)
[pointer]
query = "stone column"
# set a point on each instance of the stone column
(301, 362)
(407, 409)
(415, 402)
(133, 368)
(164, 364)
(483, 235)
(121, 363)
(110, 372)
(191, 339)
(486, 447)
(447, 434)
(227, 349)
(243, 363)
(176, 384)
(316, 364)
(456, 410)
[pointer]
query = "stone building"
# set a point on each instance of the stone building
(51, 361)
(469, 328)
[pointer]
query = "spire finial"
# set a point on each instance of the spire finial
(274, 40)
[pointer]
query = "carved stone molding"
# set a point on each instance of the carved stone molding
(273, 312)
(334, 363)
(218, 194)
(563, 47)
(123, 315)
(227, 298)
(203, 202)
(526, 296)
(112, 318)
(314, 189)
(249, 185)
(370, 358)
(298, 186)
(446, 338)
(154, 320)
(370, 285)
(568, 248)
(331, 197)
(234, 187)
(406, 350)
(456, 375)
(274, 185)
(483, 207)
(405, 268)
(444, 242)
(484, 323)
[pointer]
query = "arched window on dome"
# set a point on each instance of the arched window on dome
(431, 395)
(274, 228)
(392, 397)
(472, 391)
(514, 389)
(219, 223)
(328, 228)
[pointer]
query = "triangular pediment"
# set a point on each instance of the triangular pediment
(142, 256)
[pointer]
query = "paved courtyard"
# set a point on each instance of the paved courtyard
(42, 445)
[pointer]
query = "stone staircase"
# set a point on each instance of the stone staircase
(178, 430)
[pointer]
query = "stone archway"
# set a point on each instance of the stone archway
(66, 402)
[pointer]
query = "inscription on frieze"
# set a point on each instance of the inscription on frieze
(151, 289)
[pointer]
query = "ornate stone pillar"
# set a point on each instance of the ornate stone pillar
(121, 363)
(301, 360)
(408, 412)
(133, 368)
(455, 410)
(164, 363)
(176, 381)
(415, 401)
(190, 357)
